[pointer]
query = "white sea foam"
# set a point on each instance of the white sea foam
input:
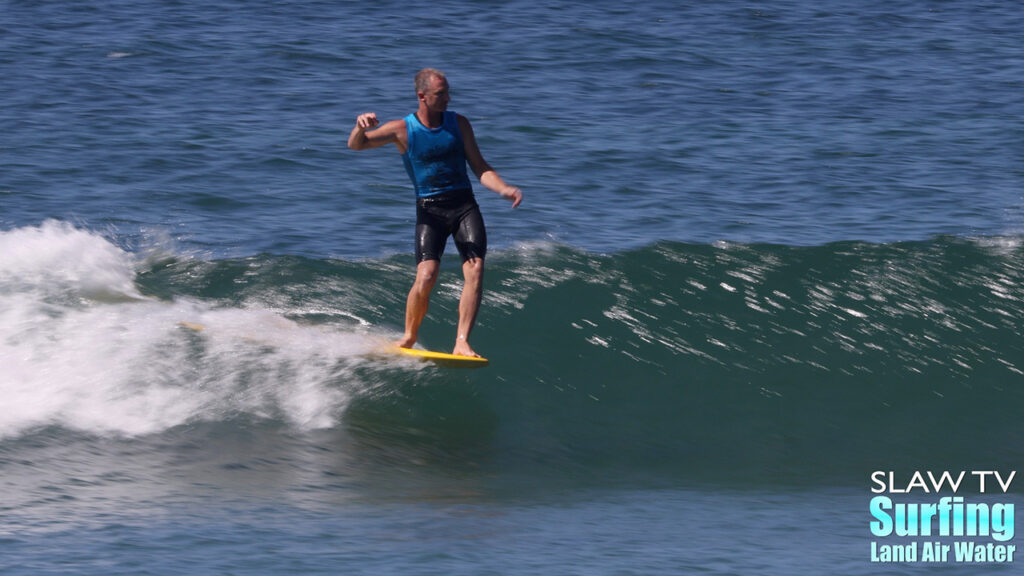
(81, 347)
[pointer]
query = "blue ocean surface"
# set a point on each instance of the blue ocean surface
(766, 249)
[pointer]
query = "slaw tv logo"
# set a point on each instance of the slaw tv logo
(937, 529)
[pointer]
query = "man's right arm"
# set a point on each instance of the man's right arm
(369, 133)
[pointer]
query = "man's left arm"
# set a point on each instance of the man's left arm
(488, 176)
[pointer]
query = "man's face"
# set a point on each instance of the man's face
(436, 97)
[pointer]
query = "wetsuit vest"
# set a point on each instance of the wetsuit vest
(435, 158)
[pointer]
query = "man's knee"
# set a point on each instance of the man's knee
(426, 274)
(473, 269)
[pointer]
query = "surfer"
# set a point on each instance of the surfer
(436, 145)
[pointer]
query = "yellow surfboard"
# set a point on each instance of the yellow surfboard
(443, 358)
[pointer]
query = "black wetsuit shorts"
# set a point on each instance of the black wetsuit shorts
(451, 214)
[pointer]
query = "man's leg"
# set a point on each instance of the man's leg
(418, 301)
(469, 304)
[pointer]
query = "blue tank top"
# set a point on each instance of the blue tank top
(435, 159)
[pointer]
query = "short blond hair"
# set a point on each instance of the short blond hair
(424, 76)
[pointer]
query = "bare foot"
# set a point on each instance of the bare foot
(462, 349)
(405, 341)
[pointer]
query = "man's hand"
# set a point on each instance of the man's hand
(358, 139)
(367, 121)
(514, 194)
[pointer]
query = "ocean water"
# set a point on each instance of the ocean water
(766, 250)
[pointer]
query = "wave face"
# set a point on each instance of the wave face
(674, 360)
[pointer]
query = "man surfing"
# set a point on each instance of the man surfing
(436, 145)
